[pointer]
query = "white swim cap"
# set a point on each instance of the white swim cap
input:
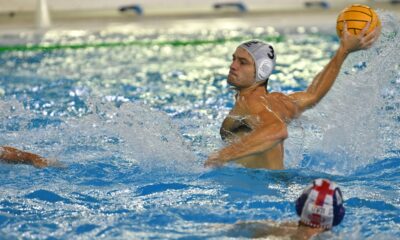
(264, 57)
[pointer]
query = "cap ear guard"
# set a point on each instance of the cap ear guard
(264, 69)
(338, 208)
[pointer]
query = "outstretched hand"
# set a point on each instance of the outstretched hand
(39, 162)
(363, 40)
(16, 156)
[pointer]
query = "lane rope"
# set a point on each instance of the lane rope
(175, 43)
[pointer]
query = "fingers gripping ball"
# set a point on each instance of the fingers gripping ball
(357, 17)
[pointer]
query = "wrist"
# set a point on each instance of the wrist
(342, 51)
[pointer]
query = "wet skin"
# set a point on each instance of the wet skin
(256, 127)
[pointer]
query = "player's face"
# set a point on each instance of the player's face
(242, 69)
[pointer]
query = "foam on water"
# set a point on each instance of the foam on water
(120, 162)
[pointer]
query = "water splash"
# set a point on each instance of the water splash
(357, 122)
(130, 173)
(132, 132)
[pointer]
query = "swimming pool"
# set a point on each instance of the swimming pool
(134, 114)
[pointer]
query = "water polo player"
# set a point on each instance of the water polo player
(256, 127)
(320, 208)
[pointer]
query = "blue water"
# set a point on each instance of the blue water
(133, 125)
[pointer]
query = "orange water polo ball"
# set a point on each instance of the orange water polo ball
(356, 17)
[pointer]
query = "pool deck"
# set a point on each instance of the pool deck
(104, 19)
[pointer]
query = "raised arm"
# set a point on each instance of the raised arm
(325, 79)
(16, 156)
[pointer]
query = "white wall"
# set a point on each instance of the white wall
(157, 5)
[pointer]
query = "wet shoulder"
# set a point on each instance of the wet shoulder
(283, 104)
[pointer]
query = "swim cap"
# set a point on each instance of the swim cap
(263, 55)
(321, 204)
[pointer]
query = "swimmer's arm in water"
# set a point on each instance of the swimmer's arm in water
(278, 230)
(16, 156)
(261, 139)
(325, 79)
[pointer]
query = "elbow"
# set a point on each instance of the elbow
(281, 132)
(284, 132)
(275, 132)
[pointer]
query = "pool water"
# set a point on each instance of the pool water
(132, 114)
